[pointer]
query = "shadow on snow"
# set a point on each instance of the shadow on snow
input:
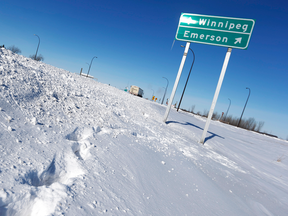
(189, 124)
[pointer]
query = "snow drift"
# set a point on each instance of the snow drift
(73, 146)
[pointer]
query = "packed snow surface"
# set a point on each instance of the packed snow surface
(72, 146)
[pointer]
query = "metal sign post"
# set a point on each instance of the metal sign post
(176, 81)
(211, 30)
(225, 64)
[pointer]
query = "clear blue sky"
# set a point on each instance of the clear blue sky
(133, 39)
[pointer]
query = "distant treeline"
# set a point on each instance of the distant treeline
(16, 50)
(248, 124)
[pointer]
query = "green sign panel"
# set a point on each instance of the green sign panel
(215, 30)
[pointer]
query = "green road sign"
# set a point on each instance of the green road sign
(215, 30)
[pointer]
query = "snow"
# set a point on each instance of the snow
(70, 145)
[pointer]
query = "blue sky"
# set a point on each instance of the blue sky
(132, 41)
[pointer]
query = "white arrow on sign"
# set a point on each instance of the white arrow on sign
(188, 20)
(238, 40)
(191, 21)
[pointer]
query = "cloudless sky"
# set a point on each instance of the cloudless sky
(133, 39)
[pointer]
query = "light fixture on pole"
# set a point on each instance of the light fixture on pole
(244, 107)
(165, 89)
(37, 46)
(187, 78)
(90, 65)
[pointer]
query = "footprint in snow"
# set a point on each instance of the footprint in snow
(80, 144)
(47, 177)
(47, 189)
(80, 134)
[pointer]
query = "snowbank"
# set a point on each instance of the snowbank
(73, 146)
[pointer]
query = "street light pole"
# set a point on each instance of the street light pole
(90, 65)
(244, 107)
(187, 78)
(37, 46)
(165, 89)
(227, 109)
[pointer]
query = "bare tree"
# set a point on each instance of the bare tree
(38, 58)
(14, 49)
(249, 124)
(205, 113)
(228, 119)
(192, 108)
(232, 120)
(259, 126)
(253, 126)
(215, 115)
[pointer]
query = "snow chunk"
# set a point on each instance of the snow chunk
(47, 199)
(96, 129)
(3, 194)
(34, 121)
(80, 133)
(9, 118)
(146, 115)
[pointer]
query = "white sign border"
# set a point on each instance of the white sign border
(236, 47)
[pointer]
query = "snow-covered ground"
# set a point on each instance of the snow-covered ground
(72, 146)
